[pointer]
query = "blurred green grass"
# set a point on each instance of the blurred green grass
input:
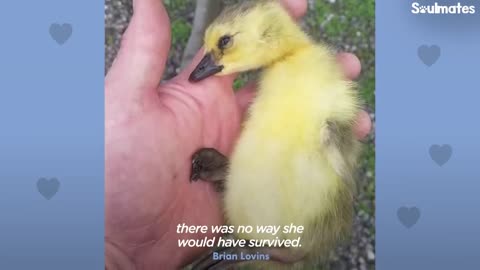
(180, 31)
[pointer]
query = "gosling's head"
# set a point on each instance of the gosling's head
(247, 36)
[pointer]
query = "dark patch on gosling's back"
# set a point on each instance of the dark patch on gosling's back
(338, 134)
(267, 33)
(341, 142)
(243, 7)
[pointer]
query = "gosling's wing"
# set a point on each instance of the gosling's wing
(341, 149)
(337, 140)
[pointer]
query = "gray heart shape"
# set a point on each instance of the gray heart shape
(48, 187)
(61, 33)
(440, 154)
(408, 216)
(429, 54)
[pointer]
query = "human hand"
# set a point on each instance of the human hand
(151, 133)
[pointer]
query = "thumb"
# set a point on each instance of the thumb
(144, 50)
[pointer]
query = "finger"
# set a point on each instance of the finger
(352, 67)
(350, 64)
(363, 125)
(295, 7)
(144, 50)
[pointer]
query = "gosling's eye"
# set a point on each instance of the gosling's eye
(225, 42)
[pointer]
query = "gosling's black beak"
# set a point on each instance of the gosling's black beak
(205, 69)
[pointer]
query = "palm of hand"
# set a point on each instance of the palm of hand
(148, 150)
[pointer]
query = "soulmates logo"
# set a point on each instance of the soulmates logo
(442, 9)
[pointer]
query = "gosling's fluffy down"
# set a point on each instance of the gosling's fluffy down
(295, 158)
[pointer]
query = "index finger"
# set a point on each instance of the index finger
(350, 64)
(296, 8)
